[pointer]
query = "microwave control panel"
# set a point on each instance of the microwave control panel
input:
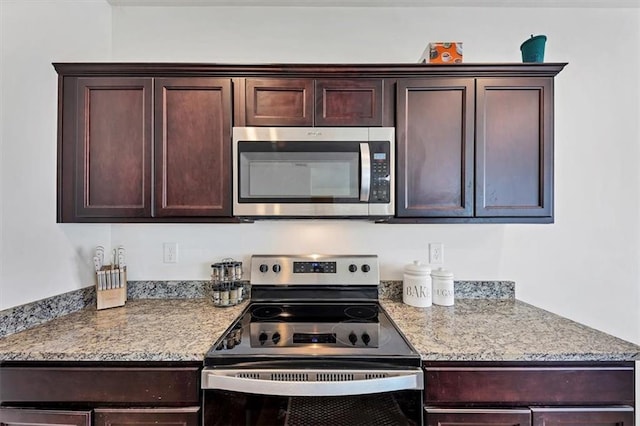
(380, 172)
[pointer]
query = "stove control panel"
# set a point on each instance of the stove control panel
(348, 335)
(314, 267)
(315, 270)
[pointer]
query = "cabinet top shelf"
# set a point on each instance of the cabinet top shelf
(302, 70)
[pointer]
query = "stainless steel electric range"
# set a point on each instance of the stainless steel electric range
(313, 347)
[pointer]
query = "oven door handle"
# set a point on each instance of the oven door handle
(228, 381)
(365, 172)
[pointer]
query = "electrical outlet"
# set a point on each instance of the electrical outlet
(170, 252)
(436, 253)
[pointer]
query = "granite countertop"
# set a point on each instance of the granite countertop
(142, 330)
(503, 330)
(185, 329)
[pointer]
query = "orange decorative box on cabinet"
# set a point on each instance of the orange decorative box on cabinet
(442, 53)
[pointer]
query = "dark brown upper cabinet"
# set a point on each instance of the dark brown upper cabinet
(475, 149)
(514, 147)
(110, 146)
(348, 102)
(434, 135)
(192, 147)
(114, 168)
(309, 102)
(144, 142)
(279, 102)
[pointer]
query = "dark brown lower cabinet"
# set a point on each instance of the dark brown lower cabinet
(100, 394)
(476, 417)
(535, 394)
(23, 416)
(584, 416)
(536, 416)
(187, 416)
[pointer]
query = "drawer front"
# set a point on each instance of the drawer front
(477, 417)
(188, 416)
(29, 417)
(100, 385)
(553, 385)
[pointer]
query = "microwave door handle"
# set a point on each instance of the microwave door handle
(365, 172)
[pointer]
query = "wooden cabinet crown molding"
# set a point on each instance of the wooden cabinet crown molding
(305, 70)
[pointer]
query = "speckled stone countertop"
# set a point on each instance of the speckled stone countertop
(142, 330)
(503, 330)
(185, 329)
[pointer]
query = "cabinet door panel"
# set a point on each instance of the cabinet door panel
(595, 416)
(193, 147)
(348, 102)
(279, 102)
(187, 416)
(514, 147)
(435, 147)
(477, 417)
(113, 149)
(24, 417)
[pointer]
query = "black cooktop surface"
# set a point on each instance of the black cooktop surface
(313, 332)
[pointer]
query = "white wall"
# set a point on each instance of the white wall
(39, 258)
(584, 266)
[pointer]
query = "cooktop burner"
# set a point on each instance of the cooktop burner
(323, 313)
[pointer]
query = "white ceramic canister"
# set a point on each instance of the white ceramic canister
(442, 280)
(416, 285)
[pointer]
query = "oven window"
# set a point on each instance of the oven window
(299, 176)
(232, 408)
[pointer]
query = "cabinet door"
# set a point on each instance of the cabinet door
(192, 147)
(596, 416)
(476, 417)
(24, 417)
(187, 416)
(348, 102)
(113, 148)
(279, 102)
(435, 126)
(514, 147)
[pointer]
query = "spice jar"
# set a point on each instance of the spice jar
(416, 285)
(228, 290)
(442, 281)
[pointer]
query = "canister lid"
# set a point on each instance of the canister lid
(417, 267)
(441, 273)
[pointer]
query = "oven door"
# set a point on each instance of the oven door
(307, 397)
(301, 172)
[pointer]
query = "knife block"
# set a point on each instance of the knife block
(111, 287)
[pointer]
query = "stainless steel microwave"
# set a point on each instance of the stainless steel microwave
(313, 172)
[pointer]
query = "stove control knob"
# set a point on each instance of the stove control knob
(276, 268)
(263, 338)
(366, 338)
(353, 338)
(353, 268)
(275, 338)
(264, 268)
(366, 268)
